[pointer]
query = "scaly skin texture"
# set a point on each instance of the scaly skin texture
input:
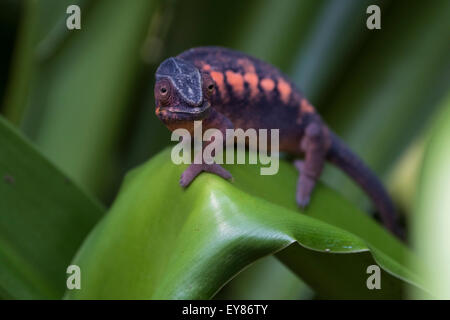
(227, 89)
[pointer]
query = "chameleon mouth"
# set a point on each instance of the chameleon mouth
(183, 113)
(189, 110)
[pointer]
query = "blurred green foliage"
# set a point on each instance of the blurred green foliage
(85, 97)
(432, 208)
(44, 219)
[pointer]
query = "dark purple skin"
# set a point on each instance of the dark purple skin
(228, 89)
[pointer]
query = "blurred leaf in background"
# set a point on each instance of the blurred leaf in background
(267, 278)
(18, 31)
(44, 218)
(392, 86)
(81, 92)
(432, 211)
(10, 11)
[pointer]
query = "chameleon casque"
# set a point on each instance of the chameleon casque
(227, 89)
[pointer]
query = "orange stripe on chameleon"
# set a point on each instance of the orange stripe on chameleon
(206, 67)
(247, 65)
(305, 106)
(267, 84)
(218, 78)
(252, 80)
(236, 81)
(284, 89)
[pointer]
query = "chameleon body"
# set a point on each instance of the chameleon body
(227, 89)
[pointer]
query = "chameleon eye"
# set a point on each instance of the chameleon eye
(211, 87)
(163, 91)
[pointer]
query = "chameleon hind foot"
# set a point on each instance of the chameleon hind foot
(305, 186)
(195, 169)
(313, 145)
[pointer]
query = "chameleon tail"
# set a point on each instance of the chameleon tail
(341, 156)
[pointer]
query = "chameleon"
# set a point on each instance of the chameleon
(227, 89)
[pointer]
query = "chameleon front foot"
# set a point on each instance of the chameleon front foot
(195, 169)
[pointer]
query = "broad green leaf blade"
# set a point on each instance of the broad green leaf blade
(160, 242)
(44, 218)
(432, 214)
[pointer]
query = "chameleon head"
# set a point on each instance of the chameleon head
(182, 92)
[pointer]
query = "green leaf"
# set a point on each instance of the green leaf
(286, 26)
(339, 27)
(44, 218)
(42, 29)
(80, 98)
(392, 87)
(431, 218)
(161, 242)
(267, 278)
(17, 93)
